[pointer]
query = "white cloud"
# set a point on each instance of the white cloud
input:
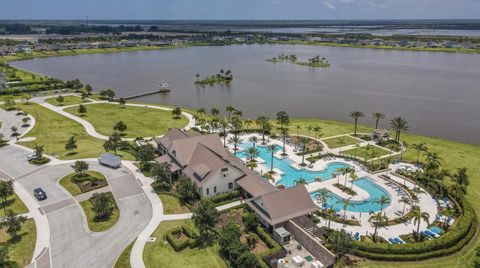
(329, 5)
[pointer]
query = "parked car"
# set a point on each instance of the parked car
(110, 160)
(32, 157)
(40, 194)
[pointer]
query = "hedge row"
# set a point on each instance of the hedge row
(272, 245)
(179, 245)
(228, 196)
(461, 233)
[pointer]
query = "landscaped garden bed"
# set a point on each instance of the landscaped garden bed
(77, 184)
(101, 214)
(341, 141)
(345, 189)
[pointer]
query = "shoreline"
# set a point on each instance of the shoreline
(36, 54)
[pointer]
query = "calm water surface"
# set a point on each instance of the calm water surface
(438, 93)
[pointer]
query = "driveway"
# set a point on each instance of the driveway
(71, 242)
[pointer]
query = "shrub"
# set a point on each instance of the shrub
(228, 196)
(191, 240)
(461, 233)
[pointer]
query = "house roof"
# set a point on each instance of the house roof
(173, 134)
(255, 186)
(283, 205)
(184, 148)
(167, 159)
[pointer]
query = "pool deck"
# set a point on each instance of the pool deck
(392, 211)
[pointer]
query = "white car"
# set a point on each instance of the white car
(31, 157)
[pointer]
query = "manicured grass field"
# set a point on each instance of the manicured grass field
(123, 260)
(141, 121)
(99, 226)
(53, 130)
(160, 254)
(172, 205)
(335, 142)
(67, 100)
(365, 152)
(14, 203)
(73, 188)
(21, 250)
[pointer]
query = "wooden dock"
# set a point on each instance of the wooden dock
(162, 90)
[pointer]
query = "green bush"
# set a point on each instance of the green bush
(228, 196)
(460, 234)
(179, 245)
(272, 245)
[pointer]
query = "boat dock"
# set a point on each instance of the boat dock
(163, 89)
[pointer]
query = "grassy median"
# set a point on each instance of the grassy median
(20, 250)
(103, 225)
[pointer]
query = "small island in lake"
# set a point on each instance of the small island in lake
(315, 62)
(312, 62)
(282, 58)
(221, 77)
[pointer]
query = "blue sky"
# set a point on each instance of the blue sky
(240, 9)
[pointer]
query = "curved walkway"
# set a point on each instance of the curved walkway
(89, 128)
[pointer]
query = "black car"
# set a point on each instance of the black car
(40, 194)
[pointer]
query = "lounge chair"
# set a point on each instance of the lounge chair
(430, 233)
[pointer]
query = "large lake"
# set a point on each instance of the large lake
(438, 93)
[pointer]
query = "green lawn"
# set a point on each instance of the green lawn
(141, 121)
(53, 130)
(172, 205)
(67, 100)
(123, 260)
(160, 254)
(73, 187)
(335, 142)
(365, 151)
(14, 203)
(99, 226)
(21, 250)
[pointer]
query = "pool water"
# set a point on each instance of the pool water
(291, 174)
(365, 206)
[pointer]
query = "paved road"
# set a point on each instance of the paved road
(71, 242)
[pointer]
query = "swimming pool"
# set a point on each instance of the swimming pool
(366, 206)
(291, 174)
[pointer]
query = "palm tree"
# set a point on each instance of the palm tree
(224, 125)
(346, 171)
(382, 201)
(418, 215)
(356, 115)
(448, 213)
(341, 141)
(252, 153)
(214, 111)
(248, 122)
(235, 140)
(253, 140)
(403, 145)
(201, 112)
(378, 219)
(309, 128)
(316, 130)
(284, 138)
(322, 194)
(304, 142)
(399, 124)
(345, 203)
(330, 212)
(433, 161)
(406, 201)
(298, 127)
(419, 147)
(353, 178)
(378, 117)
(271, 148)
(229, 109)
(441, 175)
(264, 124)
(300, 181)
